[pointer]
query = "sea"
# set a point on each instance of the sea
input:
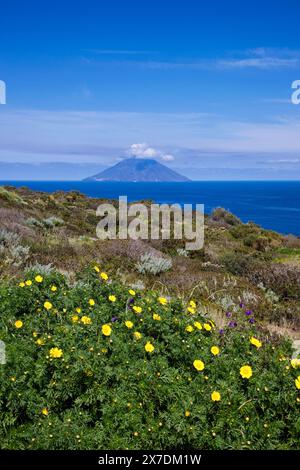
(273, 205)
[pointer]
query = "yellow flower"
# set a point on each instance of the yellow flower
(189, 328)
(75, 318)
(104, 276)
(246, 372)
(297, 382)
(48, 305)
(129, 324)
(191, 310)
(193, 304)
(112, 298)
(131, 292)
(54, 288)
(86, 320)
(96, 269)
(295, 363)
(198, 364)
(207, 326)
(40, 342)
(22, 284)
(18, 324)
(149, 347)
(28, 283)
(255, 342)
(106, 330)
(78, 310)
(45, 411)
(137, 335)
(91, 302)
(215, 350)
(34, 334)
(215, 396)
(55, 352)
(137, 309)
(198, 325)
(38, 279)
(156, 317)
(162, 300)
(187, 413)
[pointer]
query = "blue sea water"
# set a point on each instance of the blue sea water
(272, 204)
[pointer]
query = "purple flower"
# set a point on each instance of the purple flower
(252, 320)
(248, 312)
(242, 305)
(228, 314)
(114, 319)
(221, 331)
(130, 301)
(232, 324)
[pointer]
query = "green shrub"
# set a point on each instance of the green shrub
(53, 221)
(78, 376)
(33, 222)
(224, 217)
(235, 263)
(10, 196)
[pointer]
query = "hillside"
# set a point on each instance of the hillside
(134, 169)
(239, 263)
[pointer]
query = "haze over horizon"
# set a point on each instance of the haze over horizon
(202, 88)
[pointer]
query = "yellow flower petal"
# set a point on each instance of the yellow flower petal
(106, 330)
(246, 372)
(198, 364)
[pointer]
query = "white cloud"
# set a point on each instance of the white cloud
(261, 63)
(284, 161)
(142, 150)
(261, 58)
(167, 157)
(264, 63)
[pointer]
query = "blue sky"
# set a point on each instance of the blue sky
(203, 86)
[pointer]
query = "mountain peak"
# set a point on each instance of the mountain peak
(137, 169)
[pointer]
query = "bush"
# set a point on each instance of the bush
(223, 216)
(95, 366)
(12, 252)
(8, 238)
(53, 221)
(235, 263)
(283, 279)
(10, 196)
(19, 254)
(182, 252)
(150, 264)
(33, 222)
(291, 241)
